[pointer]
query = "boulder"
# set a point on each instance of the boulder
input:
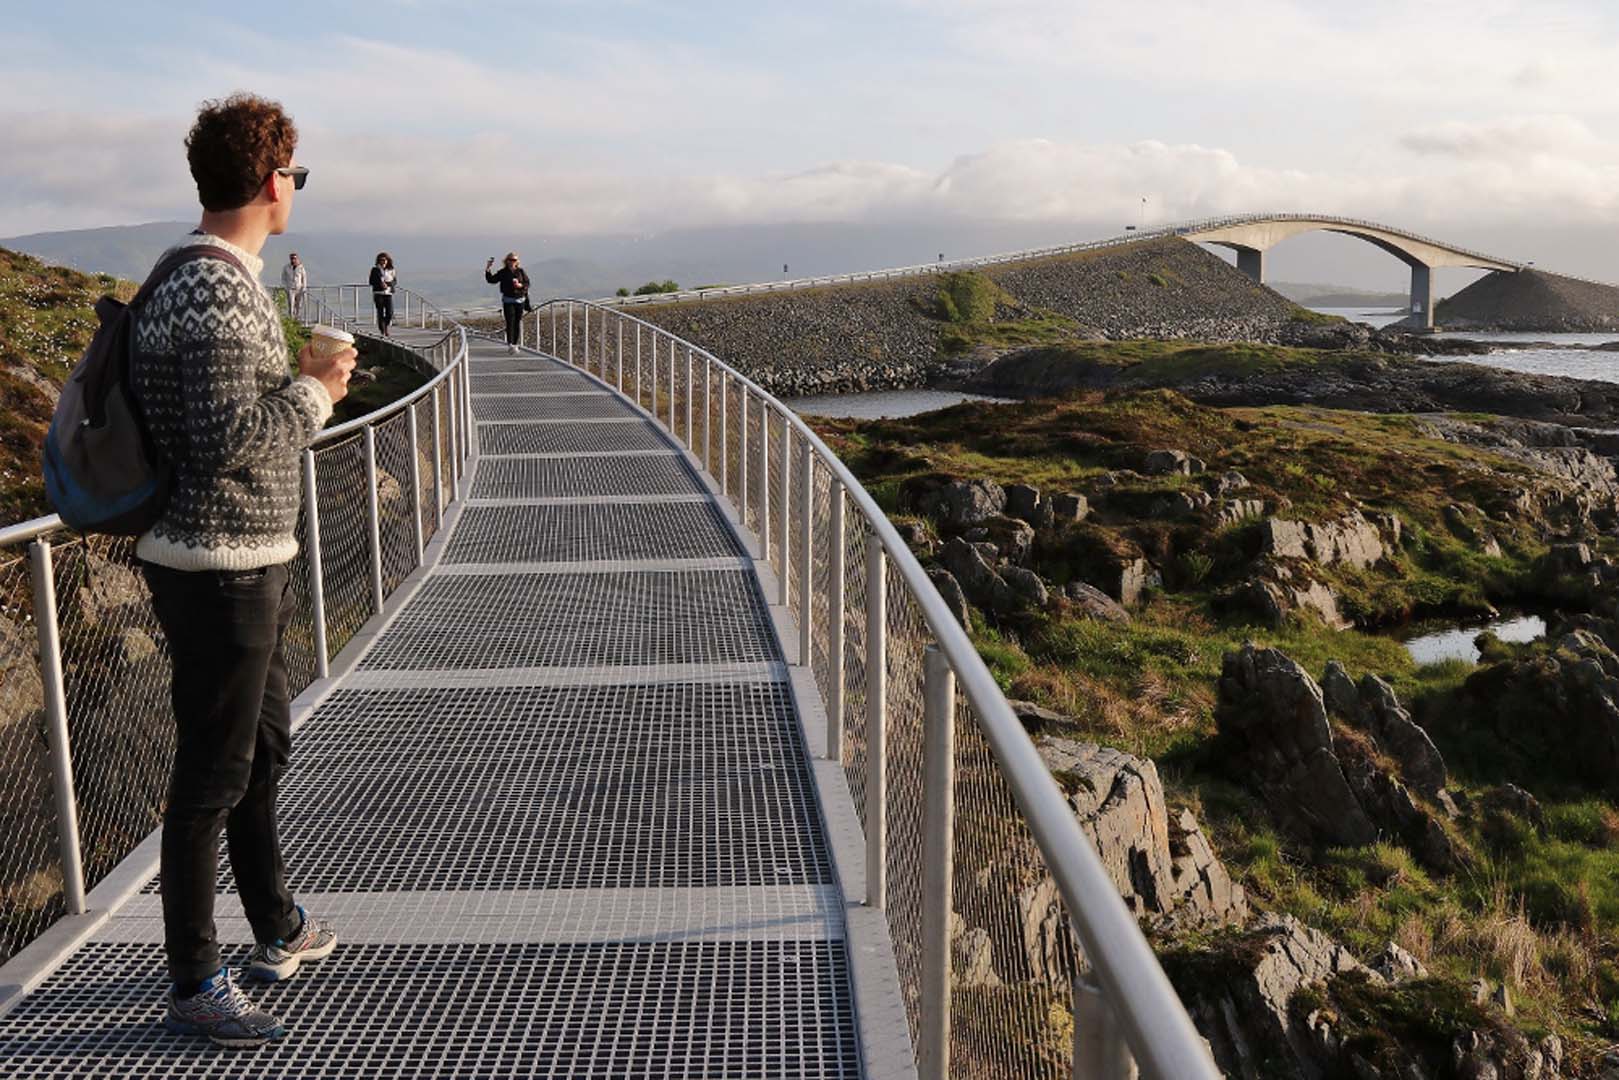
(1571, 693)
(1330, 787)
(1167, 462)
(1035, 718)
(950, 590)
(1247, 1014)
(1276, 714)
(1026, 584)
(1236, 511)
(1163, 867)
(916, 536)
(1510, 799)
(1021, 501)
(1227, 482)
(976, 575)
(1396, 965)
(108, 588)
(1182, 503)
(1069, 507)
(1373, 707)
(1275, 592)
(22, 691)
(1092, 603)
(1135, 577)
(1351, 541)
(961, 504)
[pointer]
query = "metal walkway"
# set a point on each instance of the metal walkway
(559, 806)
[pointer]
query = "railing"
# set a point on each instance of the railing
(351, 306)
(86, 728)
(1004, 921)
(947, 266)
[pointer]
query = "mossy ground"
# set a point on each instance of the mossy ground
(1536, 910)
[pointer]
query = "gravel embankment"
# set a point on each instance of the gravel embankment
(1533, 301)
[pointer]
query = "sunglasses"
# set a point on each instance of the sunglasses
(298, 173)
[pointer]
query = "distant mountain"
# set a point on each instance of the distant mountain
(1318, 295)
(449, 269)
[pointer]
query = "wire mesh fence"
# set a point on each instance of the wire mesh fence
(30, 867)
(116, 670)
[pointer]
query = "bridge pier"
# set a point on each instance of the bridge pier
(1421, 296)
(1251, 261)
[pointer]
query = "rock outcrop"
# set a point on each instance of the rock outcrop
(1350, 541)
(1572, 692)
(1332, 787)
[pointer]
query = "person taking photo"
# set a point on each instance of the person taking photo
(514, 284)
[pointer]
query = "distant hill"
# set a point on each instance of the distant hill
(1533, 301)
(1312, 294)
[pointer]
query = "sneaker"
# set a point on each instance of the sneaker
(222, 1012)
(272, 963)
(511, 349)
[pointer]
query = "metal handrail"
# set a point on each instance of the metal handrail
(1156, 1025)
(35, 527)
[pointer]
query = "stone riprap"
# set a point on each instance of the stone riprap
(886, 334)
(1532, 300)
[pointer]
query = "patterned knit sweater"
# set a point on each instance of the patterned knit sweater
(211, 377)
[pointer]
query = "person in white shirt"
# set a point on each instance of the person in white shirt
(294, 279)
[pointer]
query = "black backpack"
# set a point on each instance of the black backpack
(102, 472)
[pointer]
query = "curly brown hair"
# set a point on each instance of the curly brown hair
(234, 145)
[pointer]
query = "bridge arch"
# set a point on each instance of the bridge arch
(1250, 236)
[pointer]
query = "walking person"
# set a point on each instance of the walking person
(382, 290)
(210, 374)
(295, 280)
(514, 283)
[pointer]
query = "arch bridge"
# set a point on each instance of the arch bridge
(1251, 235)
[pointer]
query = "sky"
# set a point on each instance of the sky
(1481, 121)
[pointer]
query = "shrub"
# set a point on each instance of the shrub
(653, 288)
(966, 298)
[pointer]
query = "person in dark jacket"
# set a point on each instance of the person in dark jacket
(382, 291)
(513, 282)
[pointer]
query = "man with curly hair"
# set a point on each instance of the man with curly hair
(210, 374)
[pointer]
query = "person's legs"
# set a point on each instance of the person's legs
(384, 312)
(222, 630)
(254, 841)
(514, 322)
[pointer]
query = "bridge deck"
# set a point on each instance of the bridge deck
(560, 811)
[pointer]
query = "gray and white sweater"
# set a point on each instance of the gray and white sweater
(211, 376)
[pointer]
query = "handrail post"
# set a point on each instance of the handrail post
(584, 341)
(725, 442)
(742, 456)
(373, 517)
(652, 405)
(938, 862)
(672, 429)
(470, 430)
(786, 542)
(620, 355)
(876, 724)
(638, 363)
(806, 561)
(835, 619)
(553, 349)
(451, 407)
(570, 333)
(317, 583)
(691, 439)
(1099, 1046)
(56, 733)
(763, 472)
(413, 433)
(438, 457)
(708, 412)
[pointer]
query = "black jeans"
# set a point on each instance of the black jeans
(514, 322)
(385, 310)
(233, 739)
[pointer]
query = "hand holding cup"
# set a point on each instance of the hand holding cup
(329, 357)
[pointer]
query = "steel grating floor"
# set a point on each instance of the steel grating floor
(621, 1009)
(542, 533)
(613, 868)
(567, 438)
(488, 407)
(575, 477)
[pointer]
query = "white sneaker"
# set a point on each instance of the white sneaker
(512, 349)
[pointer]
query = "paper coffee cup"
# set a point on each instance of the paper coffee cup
(326, 340)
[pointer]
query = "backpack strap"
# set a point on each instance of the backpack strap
(177, 258)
